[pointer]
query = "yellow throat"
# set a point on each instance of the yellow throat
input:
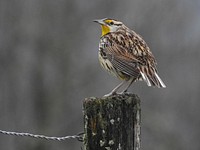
(105, 30)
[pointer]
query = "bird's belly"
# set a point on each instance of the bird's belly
(107, 65)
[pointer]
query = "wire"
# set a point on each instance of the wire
(77, 136)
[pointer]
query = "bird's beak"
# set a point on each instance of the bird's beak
(100, 21)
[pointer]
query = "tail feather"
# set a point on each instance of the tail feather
(151, 78)
(145, 78)
(161, 83)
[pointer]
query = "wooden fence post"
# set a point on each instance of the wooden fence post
(112, 123)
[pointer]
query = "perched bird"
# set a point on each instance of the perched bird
(123, 53)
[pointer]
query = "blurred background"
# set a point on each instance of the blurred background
(48, 65)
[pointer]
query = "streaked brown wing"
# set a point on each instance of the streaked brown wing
(130, 47)
(122, 61)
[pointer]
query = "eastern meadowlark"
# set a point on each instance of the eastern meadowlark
(123, 53)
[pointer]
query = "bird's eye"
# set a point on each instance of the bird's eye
(111, 23)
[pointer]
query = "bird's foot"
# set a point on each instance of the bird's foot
(124, 92)
(110, 94)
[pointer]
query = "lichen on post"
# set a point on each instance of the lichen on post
(112, 123)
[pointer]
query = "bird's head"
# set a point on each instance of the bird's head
(108, 25)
